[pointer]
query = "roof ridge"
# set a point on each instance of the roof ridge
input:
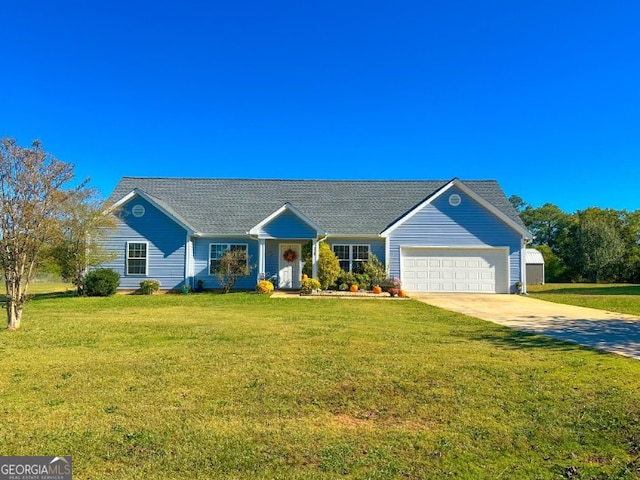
(327, 180)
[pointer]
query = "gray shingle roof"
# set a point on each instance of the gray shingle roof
(340, 207)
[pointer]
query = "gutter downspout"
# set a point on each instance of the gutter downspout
(261, 255)
(523, 265)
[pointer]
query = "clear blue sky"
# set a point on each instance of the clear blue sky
(542, 96)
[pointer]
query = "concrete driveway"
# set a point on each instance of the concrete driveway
(613, 332)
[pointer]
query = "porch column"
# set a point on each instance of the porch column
(315, 255)
(261, 257)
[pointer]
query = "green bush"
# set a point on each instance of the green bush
(307, 267)
(375, 269)
(101, 282)
(149, 287)
(328, 266)
(346, 279)
(308, 285)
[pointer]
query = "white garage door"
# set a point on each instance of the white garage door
(482, 270)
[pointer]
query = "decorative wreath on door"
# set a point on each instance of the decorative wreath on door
(290, 255)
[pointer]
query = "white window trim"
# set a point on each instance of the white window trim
(146, 261)
(350, 246)
(228, 246)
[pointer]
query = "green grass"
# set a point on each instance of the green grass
(612, 297)
(244, 386)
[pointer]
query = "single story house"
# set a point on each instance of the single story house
(435, 236)
(534, 262)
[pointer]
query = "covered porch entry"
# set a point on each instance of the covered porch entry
(281, 238)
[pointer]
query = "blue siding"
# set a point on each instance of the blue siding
(201, 262)
(272, 260)
(166, 251)
(289, 226)
(439, 224)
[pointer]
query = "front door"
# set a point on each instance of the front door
(290, 265)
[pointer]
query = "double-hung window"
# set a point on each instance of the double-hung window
(352, 257)
(137, 256)
(216, 251)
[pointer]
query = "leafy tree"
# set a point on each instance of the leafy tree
(597, 247)
(629, 230)
(231, 266)
(328, 266)
(518, 203)
(546, 223)
(555, 270)
(78, 243)
(32, 197)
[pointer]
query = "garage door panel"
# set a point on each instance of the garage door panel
(451, 270)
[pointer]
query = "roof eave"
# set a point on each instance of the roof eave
(456, 182)
(286, 207)
(136, 192)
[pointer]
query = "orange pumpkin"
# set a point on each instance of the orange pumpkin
(305, 276)
(353, 288)
(402, 293)
(376, 289)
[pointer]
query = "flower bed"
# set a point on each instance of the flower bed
(346, 293)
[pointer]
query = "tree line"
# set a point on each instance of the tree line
(591, 245)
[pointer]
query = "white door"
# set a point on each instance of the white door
(479, 270)
(290, 265)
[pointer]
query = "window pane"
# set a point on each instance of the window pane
(137, 250)
(342, 252)
(216, 251)
(137, 267)
(137, 258)
(361, 252)
(344, 265)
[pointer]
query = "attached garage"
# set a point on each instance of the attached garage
(471, 270)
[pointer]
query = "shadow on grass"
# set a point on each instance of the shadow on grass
(590, 290)
(616, 336)
(50, 295)
(34, 297)
(525, 340)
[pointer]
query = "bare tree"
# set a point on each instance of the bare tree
(232, 265)
(32, 195)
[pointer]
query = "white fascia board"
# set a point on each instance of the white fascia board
(457, 183)
(355, 237)
(122, 201)
(217, 235)
(139, 193)
(497, 212)
(416, 209)
(286, 207)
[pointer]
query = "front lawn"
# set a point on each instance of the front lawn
(245, 386)
(612, 297)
